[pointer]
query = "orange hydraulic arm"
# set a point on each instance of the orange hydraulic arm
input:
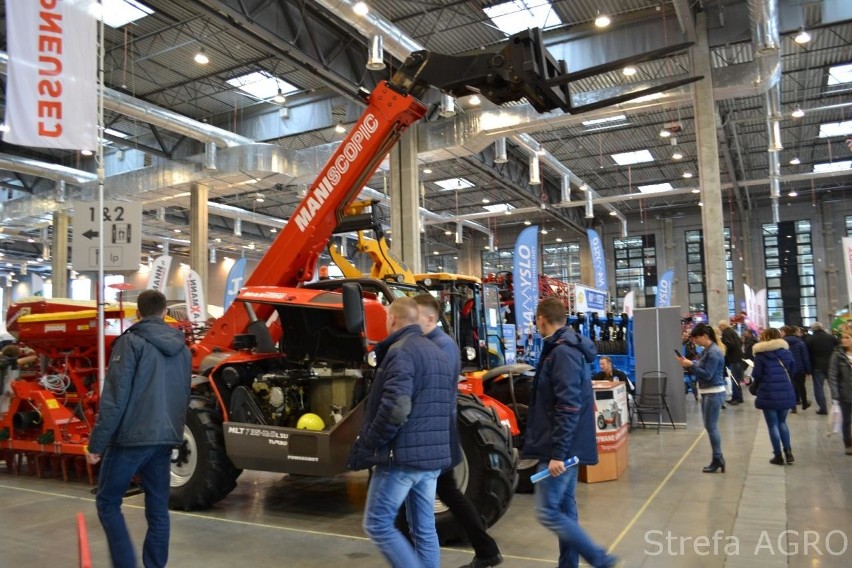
(521, 68)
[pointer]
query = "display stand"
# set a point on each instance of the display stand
(611, 431)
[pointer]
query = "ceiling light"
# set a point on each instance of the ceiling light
(435, 252)
(177, 230)
(544, 231)
(279, 98)
(795, 162)
(677, 156)
(448, 106)
(486, 200)
(602, 20)
(427, 171)
(474, 100)
(376, 54)
(701, 204)
(361, 9)
(802, 37)
(613, 212)
(86, 152)
(696, 190)
(558, 239)
(798, 113)
(339, 128)
(217, 239)
(793, 192)
(201, 57)
(259, 198)
(527, 222)
(448, 232)
(629, 71)
(687, 175)
(273, 230)
(665, 133)
(584, 187)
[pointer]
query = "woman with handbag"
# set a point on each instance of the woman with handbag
(840, 381)
(772, 386)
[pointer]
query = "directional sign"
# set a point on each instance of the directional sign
(121, 244)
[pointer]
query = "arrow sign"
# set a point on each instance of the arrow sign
(90, 234)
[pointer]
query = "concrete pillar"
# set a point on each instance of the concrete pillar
(59, 255)
(199, 246)
(712, 219)
(669, 248)
(405, 200)
(834, 285)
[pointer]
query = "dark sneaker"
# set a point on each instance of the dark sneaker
(478, 562)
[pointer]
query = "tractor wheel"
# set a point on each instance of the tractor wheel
(486, 474)
(601, 422)
(201, 474)
(499, 390)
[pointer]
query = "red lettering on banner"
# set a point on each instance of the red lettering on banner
(49, 41)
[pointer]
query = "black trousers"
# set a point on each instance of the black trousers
(846, 412)
(466, 515)
(799, 387)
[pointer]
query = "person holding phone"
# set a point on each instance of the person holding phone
(709, 369)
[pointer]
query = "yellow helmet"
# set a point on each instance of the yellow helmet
(310, 421)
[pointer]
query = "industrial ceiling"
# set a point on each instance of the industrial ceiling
(315, 51)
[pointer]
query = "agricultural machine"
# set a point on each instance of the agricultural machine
(282, 350)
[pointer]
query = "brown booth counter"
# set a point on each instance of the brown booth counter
(611, 421)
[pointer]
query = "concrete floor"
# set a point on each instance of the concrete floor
(654, 516)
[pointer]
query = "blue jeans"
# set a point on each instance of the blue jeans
(779, 434)
(819, 394)
(711, 405)
(389, 488)
(119, 465)
(556, 510)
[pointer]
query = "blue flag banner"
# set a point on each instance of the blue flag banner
(525, 279)
(598, 259)
(236, 277)
(664, 289)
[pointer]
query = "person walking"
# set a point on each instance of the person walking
(140, 420)
(749, 341)
(406, 436)
(803, 364)
(774, 390)
(709, 369)
(733, 360)
(821, 345)
(487, 553)
(840, 382)
(560, 425)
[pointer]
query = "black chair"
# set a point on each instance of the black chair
(652, 398)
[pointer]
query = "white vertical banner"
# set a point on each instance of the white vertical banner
(159, 274)
(760, 302)
(751, 309)
(847, 266)
(51, 89)
(628, 304)
(195, 307)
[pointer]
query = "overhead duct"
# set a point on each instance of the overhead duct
(121, 103)
(45, 170)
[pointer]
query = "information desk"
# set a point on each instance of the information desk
(611, 422)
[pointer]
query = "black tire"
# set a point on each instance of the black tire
(499, 390)
(202, 474)
(601, 422)
(486, 475)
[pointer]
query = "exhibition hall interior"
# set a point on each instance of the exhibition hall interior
(284, 170)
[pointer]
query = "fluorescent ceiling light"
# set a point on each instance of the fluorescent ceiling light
(261, 85)
(646, 98)
(832, 167)
(832, 129)
(655, 188)
(453, 183)
(603, 120)
(519, 15)
(117, 13)
(498, 207)
(116, 133)
(840, 74)
(629, 158)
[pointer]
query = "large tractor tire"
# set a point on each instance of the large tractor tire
(499, 390)
(201, 474)
(486, 474)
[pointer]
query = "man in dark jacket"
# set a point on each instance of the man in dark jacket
(803, 364)
(733, 360)
(140, 419)
(406, 436)
(560, 425)
(821, 345)
(487, 552)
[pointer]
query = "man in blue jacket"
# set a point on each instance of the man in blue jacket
(487, 552)
(561, 424)
(803, 364)
(406, 436)
(140, 419)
